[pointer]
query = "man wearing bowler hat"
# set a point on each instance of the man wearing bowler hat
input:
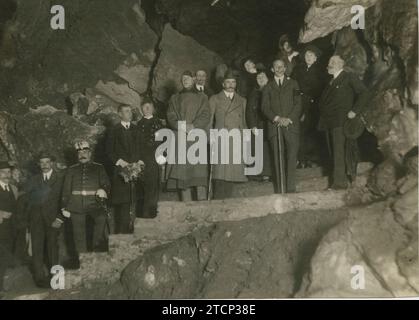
(228, 111)
(8, 208)
(86, 185)
(43, 192)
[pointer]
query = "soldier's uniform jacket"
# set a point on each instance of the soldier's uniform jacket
(80, 186)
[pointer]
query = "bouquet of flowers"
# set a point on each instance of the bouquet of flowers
(132, 171)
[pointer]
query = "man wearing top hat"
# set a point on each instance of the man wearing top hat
(86, 186)
(310, 78)
(228, 111)
(8, 208)
(43, 192)
(192, 108)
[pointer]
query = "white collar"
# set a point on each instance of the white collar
(47, 174)
(229, 94)
(279, 78)
(337, 74)
(149, 117)
(200, 86)
(125, 124)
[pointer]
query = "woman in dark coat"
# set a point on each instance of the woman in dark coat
(149, 184)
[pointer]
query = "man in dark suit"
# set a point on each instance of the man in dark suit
(201, 83)
(343, 98)
(311, 80)
(281, 104)
(122, 149)
(8, 208)
(256, 120)
(43, 193)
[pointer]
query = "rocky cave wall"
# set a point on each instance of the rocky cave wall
(59, 86)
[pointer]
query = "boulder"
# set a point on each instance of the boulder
(106, 40)
(252, 258)
(177, 54)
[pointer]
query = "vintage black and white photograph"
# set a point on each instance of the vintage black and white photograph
(208, 149)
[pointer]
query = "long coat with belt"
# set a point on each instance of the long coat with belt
(228, 114)
(341, 95)
(191, 107)
(122, 144)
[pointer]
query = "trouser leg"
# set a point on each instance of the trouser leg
(38, 237)
(201, 193)
(99, 238)
(78, 222)
(52, 246)
(276, 162)
(186, 194)
(223, 189)
(6, 257)
(122, 218)
(151, 186)
(339, 172)
(292, 146)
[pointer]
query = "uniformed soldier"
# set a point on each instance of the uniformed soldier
(86, 186)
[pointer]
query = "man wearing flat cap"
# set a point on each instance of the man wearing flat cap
(190, 107)
(85, 186)
(228, 110)
(8, 208)
(311, 79)
(43, 192)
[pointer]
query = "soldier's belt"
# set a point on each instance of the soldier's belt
(83, 193)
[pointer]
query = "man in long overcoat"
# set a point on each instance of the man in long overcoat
(191, 107)
(228, 111)
(343, 98)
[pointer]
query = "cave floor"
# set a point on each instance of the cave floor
(253, 199)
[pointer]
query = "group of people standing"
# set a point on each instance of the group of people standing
(290, 102)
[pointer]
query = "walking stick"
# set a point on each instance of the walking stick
(131, 206)
(281, 162)
(210, 173)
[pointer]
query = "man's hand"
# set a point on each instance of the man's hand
(5, 214)
(286, 122)
(121, 163)
(101, 194)
(255, 131)
(57, 223)
(351, 114)
(189, 127)
(303, 117)
(66, 213)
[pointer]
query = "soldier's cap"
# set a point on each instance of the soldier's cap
(230, 74)
(187, 73)
(314, 49)
(6, 165)
(46, 155)
(82, 145)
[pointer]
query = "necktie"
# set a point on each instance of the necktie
(45, 178)
(6, 188)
